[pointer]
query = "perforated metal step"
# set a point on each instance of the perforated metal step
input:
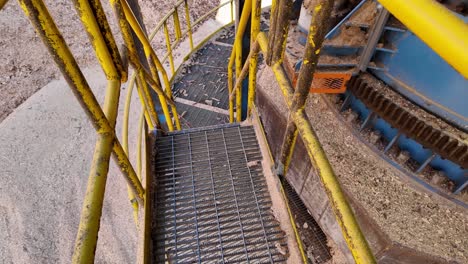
(211, 201)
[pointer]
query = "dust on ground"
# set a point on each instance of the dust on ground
(352, 36)
(366, 14)
(337, 255)
(412, 218)
(415, 110)
(25, 64)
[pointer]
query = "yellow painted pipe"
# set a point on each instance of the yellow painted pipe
(232, 10)
(86, 239)
(178, 31)
(149, 100)
(189, 23)
(169, 48)
(344, 214)
(131, 196)
(255, 29)
(102, 49)
(438, 27)
(149, 52)
(155, 74)
(142, 89)
(234, 58)
(164, 19)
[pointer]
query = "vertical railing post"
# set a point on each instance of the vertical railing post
(232, 10)
(233, 58)
(344, 215)
(317, 31)
(279, 31)
(178, 31)
(122, 6)
(255, 29)
(103, 120)
(189, 23)
(169, 47)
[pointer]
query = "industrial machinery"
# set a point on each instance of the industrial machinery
(412, 98)
(233, 169)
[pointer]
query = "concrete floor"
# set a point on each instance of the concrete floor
(46, 148)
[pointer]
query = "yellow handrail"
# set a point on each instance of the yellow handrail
(343, 212)
(151, 55)
(439, 28)
(188, 31)
(234, 54)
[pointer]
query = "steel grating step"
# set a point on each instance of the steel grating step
(211, 201)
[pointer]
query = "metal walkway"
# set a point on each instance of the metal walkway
(211, 201)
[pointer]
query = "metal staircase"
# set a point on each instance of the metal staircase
(211, 201)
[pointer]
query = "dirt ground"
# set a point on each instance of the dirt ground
(25, 64)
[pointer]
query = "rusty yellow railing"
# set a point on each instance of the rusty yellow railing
(114, 66)
(439, 28)
(156, 64)
(298, 123)
(179, 34)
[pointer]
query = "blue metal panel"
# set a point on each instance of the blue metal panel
(422, 76)
(453, 171)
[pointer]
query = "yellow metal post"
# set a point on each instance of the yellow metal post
(439, 28)
(234, 58)
(255, 29)
(131, 196)
(238, 48)
(178, 31)
(145, 97)
(279, 34)
(317, 30)
(169, 47)
(155, 74)
(132, 54)
(104, 45)
(86, 239)
(128, 99)
(149, 52)
(92, 208)
(232, 10)
(189, 23)
(245, 69)
(344, 215)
